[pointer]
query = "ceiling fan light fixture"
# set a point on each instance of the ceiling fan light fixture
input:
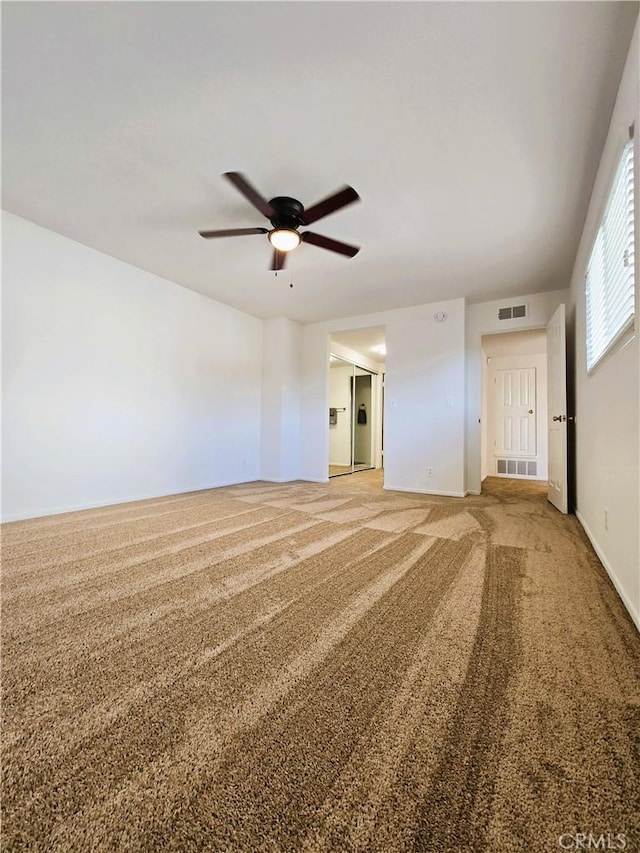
(286, 216)
(284, 239)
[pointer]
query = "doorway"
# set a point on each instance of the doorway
(514, 405)
(351, 417)
(355, 383)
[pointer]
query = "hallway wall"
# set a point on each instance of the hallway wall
(607, 400)
(424, 396)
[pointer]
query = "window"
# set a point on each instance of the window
(610, 273)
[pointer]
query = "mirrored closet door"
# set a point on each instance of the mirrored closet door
(350, 417)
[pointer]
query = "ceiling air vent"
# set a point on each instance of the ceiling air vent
(512, 312)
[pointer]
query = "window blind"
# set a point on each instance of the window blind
(610, 279)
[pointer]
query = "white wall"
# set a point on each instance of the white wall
(280, 421)
(532, 342)
(607, 400)
(482, 319)
(117, 384)
(424, 396)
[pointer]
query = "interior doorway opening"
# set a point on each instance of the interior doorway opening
(514, 437)
(352, 417)
(356, 365)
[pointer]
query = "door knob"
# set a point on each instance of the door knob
(559, 418)
(530, 411)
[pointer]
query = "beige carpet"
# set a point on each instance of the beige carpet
(339, 470)
(314, 667)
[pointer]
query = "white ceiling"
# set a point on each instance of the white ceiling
(363, 341)
(472, 132)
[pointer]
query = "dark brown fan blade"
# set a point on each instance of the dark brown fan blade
(250, 193)
(329, 243)
(279, 260)
(232, 232)
(334, 202)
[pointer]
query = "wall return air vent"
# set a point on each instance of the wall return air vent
(517, 467)
(512, 312)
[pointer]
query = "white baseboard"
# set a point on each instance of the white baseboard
(472, 492)
(424, 492)
(614, 580)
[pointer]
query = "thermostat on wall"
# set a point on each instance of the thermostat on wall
(440, 316)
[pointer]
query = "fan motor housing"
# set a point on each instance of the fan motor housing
(288, 212)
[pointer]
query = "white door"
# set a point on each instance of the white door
(515, 429)
(516, 416)
(557, 390)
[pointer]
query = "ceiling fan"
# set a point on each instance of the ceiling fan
(286, 216)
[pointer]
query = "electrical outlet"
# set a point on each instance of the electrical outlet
(606, 519)
(429, 472)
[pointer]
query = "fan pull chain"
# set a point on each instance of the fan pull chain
(275, 272)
